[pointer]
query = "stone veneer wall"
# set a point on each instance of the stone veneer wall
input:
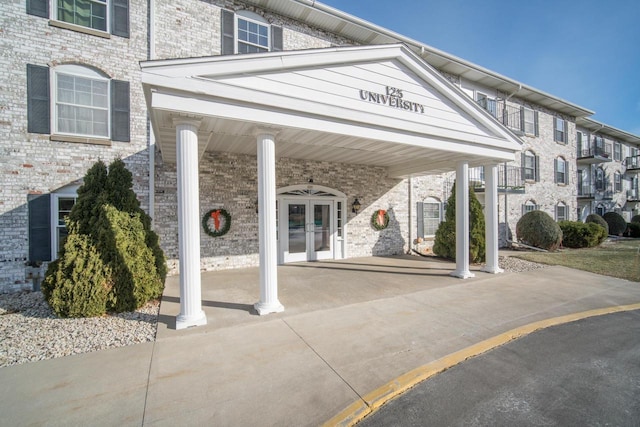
(31, 163)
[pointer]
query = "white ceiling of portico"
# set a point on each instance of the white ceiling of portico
(314, 101)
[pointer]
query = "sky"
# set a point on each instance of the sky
(586, 52)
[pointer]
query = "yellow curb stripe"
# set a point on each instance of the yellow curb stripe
(378, 397)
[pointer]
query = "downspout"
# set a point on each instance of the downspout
(151, 54)
(410, 231)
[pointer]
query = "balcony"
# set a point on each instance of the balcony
(586, 191)
(597, 153)
(633, 195)
(604, 190)
(508, 115)
(633, 164)
(509, 179)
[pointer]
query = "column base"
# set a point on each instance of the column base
(184, 322)
(265, 308)
(492, 270)
(462, 274)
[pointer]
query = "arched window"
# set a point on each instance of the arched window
(561, 167)
(599, 181)
(530, 164)
(561, 211)
(81, 101)
(529, 205)
(617, 180)
(600, 209)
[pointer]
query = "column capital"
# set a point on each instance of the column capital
(265, 130)
(187, 121)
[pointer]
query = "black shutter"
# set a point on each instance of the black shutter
(535, 117)
(565, 134)
(120, 111)
(523, 175)
(120, 18)
(38, 8)
(276, 39)
(38, 115)
(228, 32)
(537, 166)
(420, 212)
(522, 119)
(555, 170)
(39, 227)
(566, 172)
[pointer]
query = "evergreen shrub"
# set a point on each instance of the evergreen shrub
(598, 220)
(537, 228)
(445, 239)
(617, 224)
(576, 234)
(633, 229)
(636, 218)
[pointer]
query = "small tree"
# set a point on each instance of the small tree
(445, 239)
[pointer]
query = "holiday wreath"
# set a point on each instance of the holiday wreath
(380, 219)
(221, 222)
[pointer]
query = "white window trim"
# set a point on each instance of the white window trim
(530, 154)
(56, 22)
(532, 122)
(249, 16)
(65, 193)
(432, 201)
(565, 208)
(84, 72)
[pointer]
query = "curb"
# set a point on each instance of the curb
(375, 399)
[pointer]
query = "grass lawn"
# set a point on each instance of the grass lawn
(617, 258)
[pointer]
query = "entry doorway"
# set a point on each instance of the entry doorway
(310, 224)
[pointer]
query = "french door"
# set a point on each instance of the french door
(306, 229)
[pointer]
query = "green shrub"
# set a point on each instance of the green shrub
(636, 218)
(78, 284)
(445, 238)
(634, 229)
(617, 224)
(537, 228)
(123, 248)
(597, 219)
(576, 234)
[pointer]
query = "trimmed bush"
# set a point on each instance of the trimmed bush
(633, 229)
(595, 218)
(537, 228)
(617, 224)
(78, 284)
(636, 218)
(445, 239)
(576, 234)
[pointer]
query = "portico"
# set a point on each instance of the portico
(378, 106)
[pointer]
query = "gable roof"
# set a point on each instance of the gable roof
(339, 103)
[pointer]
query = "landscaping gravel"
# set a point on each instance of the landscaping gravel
(30, 331)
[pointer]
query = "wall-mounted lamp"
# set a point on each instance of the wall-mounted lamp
(355, 207)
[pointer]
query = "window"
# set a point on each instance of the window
(488, 104)
(530, 166)
(529, 206)
(81, 102)
(600, 183)
(560, 130)
(561, 211)
(600, 209)
(600, 149)
(248, 32)
(84, 103)
(103, 16)
(87, 13)
(47, 228)
(617, 182)
(429, 216)
(529, 121)
(561, 171)
(617, 151)
(583, 144)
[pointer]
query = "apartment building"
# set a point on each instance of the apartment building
(299, 120)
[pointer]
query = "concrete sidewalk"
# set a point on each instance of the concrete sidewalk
(349, 327)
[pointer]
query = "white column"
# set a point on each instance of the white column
(267, 225)
(462, 221)
(191, 313)
(491, 219)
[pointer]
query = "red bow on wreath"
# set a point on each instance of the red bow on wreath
(381, 218)
(215, 215)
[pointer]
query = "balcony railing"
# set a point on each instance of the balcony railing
(632, 163)
(508, 115)
(598, 151)
(509, 179)
(586, 191)
(633, 195)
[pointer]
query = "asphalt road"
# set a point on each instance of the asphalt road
(585, 373)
